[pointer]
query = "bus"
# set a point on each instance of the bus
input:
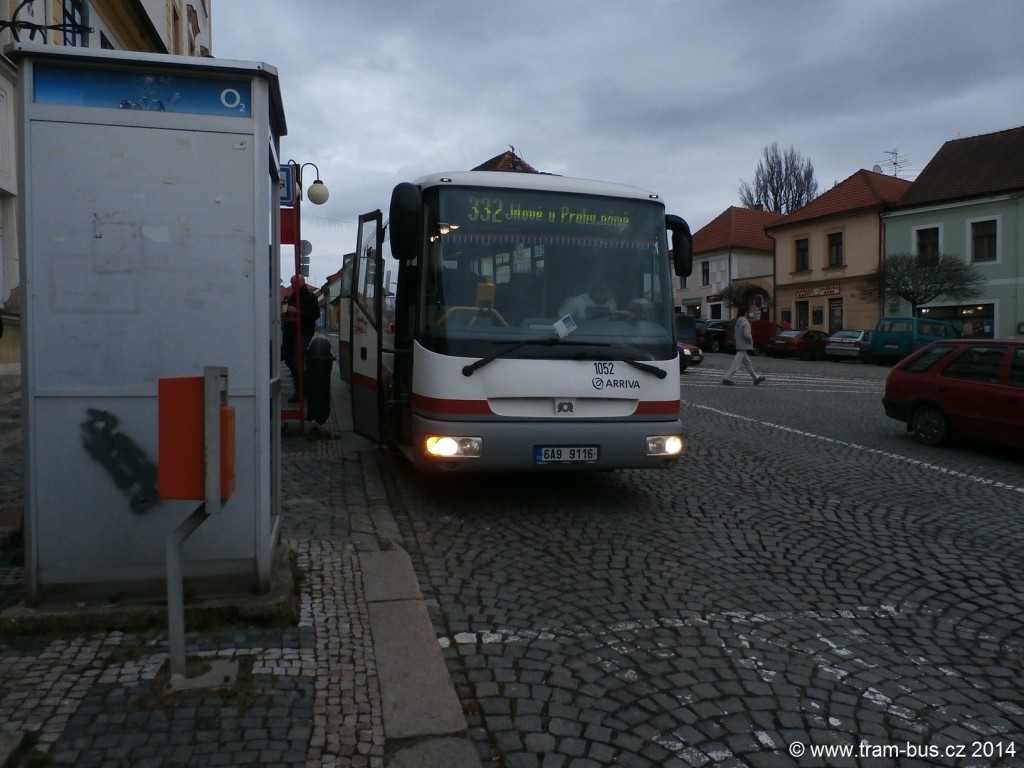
(518, 322)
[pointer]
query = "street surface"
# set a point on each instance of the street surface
(808, 586)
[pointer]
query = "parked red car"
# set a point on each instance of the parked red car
(805, 344)
(689, 354)
(969, 388)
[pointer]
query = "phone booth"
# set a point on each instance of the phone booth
(149, 223)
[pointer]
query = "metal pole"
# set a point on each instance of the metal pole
(300, 353)
(175, 589)
(215, 387)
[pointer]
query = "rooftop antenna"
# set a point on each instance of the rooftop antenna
(895, 162)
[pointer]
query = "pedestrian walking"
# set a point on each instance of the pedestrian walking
(744, 343)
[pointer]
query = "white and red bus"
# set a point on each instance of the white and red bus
(513, 321)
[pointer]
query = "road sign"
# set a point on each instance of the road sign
(287, 184)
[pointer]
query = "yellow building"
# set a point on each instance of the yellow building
(825, 249)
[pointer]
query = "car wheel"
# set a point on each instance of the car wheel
(715, 345)
(929, 425)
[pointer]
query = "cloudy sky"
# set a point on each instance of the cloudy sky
(679, 97)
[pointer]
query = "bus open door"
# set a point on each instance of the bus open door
(366, 322)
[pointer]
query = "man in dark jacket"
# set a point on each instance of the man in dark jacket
(298, 314)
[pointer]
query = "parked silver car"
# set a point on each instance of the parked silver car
(848, 345)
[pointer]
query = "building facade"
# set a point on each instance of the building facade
(152, 26)
(824, 250)
(733, 247)
(969, 202)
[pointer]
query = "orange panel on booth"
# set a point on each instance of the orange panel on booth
(182, 470)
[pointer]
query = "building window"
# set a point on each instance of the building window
(983, 240)
(835, 249)
(75, 24)
(705, 273)
(928, 246)
(802, 255)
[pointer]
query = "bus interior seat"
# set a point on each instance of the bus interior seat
(460, 287)
(519, 298)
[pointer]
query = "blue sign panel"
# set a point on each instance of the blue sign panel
(113, 89)
(287, 185)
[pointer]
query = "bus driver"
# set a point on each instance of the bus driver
(597, 301)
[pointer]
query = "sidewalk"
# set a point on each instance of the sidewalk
(358, 680)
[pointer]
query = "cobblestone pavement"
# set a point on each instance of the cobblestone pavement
(782, 592)
(785, 590)
(307, 695)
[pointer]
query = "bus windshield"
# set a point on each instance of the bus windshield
(543, 274)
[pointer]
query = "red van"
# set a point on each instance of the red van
(763, 332)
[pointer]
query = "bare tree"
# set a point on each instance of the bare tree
(917, 281)
(783, 182)
(741, 294)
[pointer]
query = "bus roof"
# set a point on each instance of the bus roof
(537, 181)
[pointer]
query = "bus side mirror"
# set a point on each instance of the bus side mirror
(682, 245)
(405, 221)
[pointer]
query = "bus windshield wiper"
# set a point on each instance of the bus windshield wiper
(470, 369)
(473, 367)
(641, 366)
(647, 368)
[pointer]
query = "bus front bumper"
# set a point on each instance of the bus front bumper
(492, 446)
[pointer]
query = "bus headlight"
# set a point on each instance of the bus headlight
(444, 446)
(664, 445)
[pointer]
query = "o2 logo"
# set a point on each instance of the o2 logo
(232, 99)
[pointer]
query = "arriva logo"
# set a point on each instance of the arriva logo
(600, 383)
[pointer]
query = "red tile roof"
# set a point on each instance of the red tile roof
(736, 228)
(864, 190)
(507, 161)
(977, 166)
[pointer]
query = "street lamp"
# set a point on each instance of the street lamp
(317, 192)
(318, 195)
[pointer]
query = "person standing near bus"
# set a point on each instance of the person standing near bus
(744, 343)
(300, 307)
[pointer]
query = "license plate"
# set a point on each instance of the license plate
(565, 454)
